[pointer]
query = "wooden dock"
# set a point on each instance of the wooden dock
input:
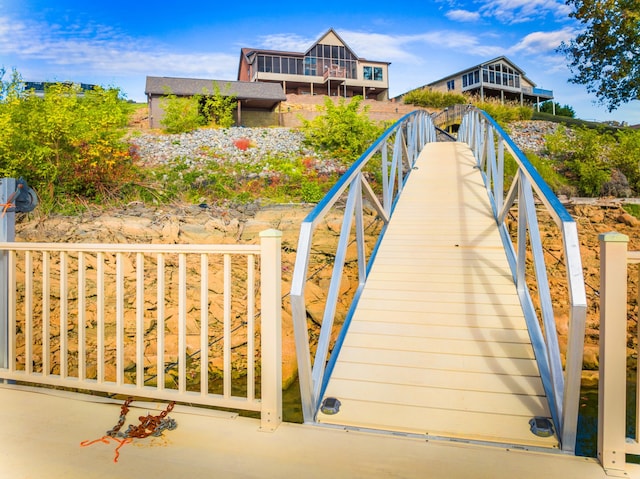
(438, 345)
(41, 436)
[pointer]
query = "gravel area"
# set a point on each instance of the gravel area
(236, 144)
(529, 135)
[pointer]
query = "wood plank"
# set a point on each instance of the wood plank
(484, 345)
(397, 307)
(403, 395)
(403, 282)
(440, 332)
(440, 379)
(444, 319)
(446, 361)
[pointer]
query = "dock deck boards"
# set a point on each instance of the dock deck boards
(438, 344)
(41, 436)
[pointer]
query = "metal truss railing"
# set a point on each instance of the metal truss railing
(405, 139)
(488, 142)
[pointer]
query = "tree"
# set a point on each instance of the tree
(605, 56)
(566, 110)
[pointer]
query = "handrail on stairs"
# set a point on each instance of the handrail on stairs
(406, 139)
(488, 142)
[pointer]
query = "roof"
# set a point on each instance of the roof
(195, 86)
(247, 52)
(480, 65)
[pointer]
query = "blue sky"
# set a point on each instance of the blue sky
(119, 43)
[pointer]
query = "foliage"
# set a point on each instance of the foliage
(270, 178)
(65, 143)
(181, 114)
(343, 131)
(605, 55)
(428, 98)
(218, 109)
(185, 114)
(583, 157)
(566, 110)
(625, 156)
(503, 113)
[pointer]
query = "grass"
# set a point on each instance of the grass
(632, 209)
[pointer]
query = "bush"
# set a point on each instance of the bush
(343, 131)
(181, 114)
(428, 98)
(583, 155)
(66, 144)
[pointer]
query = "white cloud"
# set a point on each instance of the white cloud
(538, 42)
(463, 16)
(520, 11)
(96, 50)
(287, 42)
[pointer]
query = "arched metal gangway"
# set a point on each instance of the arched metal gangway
(444, 337)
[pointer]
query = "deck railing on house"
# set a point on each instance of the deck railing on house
(613, 443)
(489, 142)
(167, 322)
(405, 139)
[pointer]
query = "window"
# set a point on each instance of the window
(451, 85)
(372, 73)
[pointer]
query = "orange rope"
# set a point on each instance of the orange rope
(9, 203)
(105, 439)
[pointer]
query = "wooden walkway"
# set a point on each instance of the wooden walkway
(41, 437)
(438, 344)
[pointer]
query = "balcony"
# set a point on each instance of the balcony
(334, 71)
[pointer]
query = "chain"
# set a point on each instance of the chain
(149, 425)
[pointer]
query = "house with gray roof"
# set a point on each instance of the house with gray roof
(258, 103)
(497, 78)
(328, 67)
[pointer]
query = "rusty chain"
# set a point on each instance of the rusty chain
(149, 425)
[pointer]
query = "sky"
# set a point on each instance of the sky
(119, 43)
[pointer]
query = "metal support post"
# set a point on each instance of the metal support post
(613, 360)
(271, 329)
(7, 234)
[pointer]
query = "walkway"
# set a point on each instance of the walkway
(41, 436)
(438, 345)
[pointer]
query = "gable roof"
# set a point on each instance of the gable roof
(483, 64)
(326, 34)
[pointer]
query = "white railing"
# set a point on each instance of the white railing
(613, 443)
(405, 139)
(167, 322)
(488, 142)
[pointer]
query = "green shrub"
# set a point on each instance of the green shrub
(343, 131)
(583, 156)
(218, 109)
(67, 145)
(428, 98)
(181, 114)
(503, 113)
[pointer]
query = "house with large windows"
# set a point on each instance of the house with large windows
(497, 78)
(328, 67)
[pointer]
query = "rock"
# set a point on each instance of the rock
(628, 220)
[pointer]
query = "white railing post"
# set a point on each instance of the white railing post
(271, 329)
(613, 366)
(7, 234)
